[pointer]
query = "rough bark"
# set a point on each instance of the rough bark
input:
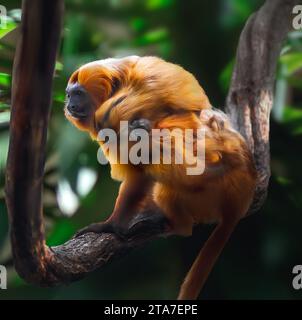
(249, 103)
(31, 95)
(250, 97)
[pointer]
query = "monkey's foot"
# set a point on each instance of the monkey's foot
(144, 223)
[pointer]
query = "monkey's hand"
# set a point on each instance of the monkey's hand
(215, 119)
(140, 124)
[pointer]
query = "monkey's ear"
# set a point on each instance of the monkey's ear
(74, 77)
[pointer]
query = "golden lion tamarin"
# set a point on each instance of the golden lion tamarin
(150, 93)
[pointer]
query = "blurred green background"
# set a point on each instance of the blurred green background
(201, 36)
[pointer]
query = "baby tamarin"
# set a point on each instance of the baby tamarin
(153, 94)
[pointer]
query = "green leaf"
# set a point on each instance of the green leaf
(153, 36)
(59, 66)
(292, 118)
(5, 29)
(297, 131)
(283, 181)
(59, 97)
(158, 4)
(138, 24)
(292, 61)
(5, 79)
(292, 114)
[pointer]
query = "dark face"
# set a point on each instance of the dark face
(78, 102)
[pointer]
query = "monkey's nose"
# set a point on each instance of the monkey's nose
(72, 107)
(76, 111)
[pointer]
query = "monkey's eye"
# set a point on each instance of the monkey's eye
(67, 93)
(78, 92)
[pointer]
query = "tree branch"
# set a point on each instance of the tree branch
(249, 103)
(250, 97)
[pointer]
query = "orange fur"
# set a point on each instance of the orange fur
(170, 97)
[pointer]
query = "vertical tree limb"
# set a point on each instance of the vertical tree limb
(31, 96)
(250, 97)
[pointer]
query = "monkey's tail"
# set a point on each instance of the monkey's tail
(203, 264)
